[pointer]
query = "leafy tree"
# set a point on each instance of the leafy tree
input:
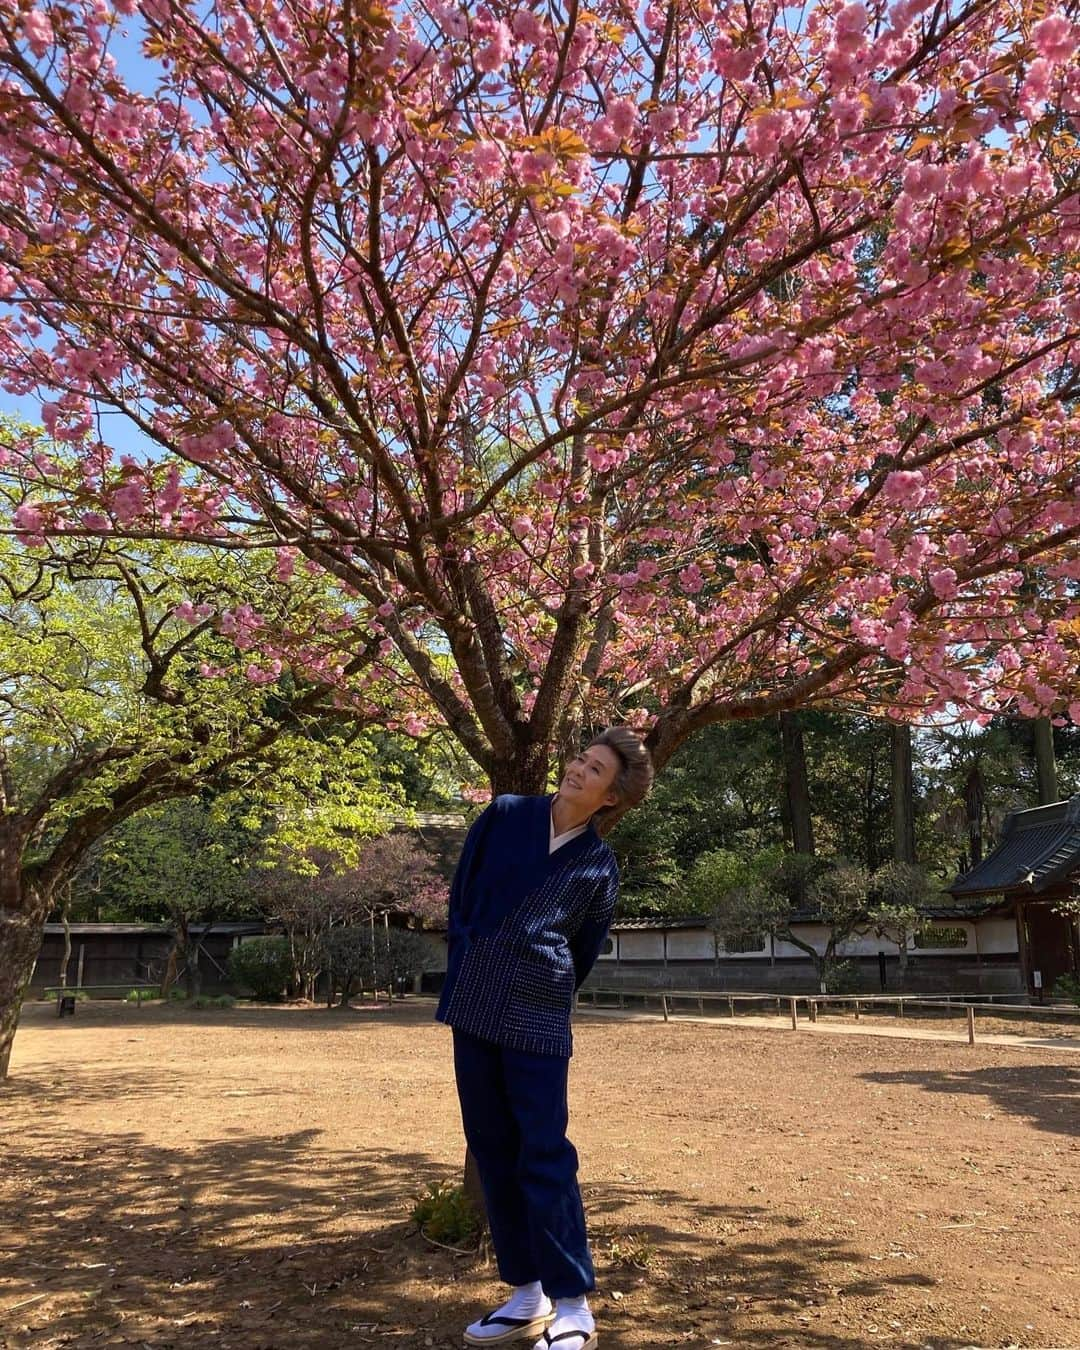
(187, 862)
(377, 957)
(314, 894)
(679, 366)
(263, 965)
(899, 894)
(773, 891)
(112, 701)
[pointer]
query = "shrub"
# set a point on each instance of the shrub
(142, 995)
(263, 965)
(212, 1001)
(443, 1213)
(843, 977)
(1066, 989)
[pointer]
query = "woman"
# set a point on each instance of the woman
(530, 906)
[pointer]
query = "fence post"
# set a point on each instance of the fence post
(813, 1010)
(971, 1024)
(900, 1003)
(731, 1005)
(663, 1003)
(794, 1016)
(857, 1014)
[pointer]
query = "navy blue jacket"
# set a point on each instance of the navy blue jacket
(525, 926)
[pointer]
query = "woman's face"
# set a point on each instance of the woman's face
(588, 779)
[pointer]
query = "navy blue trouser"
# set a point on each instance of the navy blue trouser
(513, 1108)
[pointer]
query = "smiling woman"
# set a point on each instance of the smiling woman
(530, 906)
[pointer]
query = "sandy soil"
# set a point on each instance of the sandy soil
(243, 1179)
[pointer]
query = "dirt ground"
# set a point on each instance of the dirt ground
(243, 1179)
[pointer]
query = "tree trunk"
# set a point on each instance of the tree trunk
(796, 783)
(389, 960)
(66, 917)
(974, 805)
(192, 973)
(868, 811)
(169, 978)
(1045, 763)
(23, 911)
(903, 793)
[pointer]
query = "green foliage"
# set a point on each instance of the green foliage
(631, 1249)
(843, 977)
(192, 858)
(1066, 989)
(139, 996)
(443, 1213)
(211, 1001)
(899, 891)
(263, 965)
(738, 895)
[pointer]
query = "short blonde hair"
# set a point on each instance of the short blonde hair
(634, 778)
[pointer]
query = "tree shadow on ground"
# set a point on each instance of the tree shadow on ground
(266, 1241)
(1045, 1095)
(275, 1241)
(718, 1274)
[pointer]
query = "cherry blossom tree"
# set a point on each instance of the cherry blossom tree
(664, 363)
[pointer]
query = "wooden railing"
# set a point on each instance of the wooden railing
(794, 1007)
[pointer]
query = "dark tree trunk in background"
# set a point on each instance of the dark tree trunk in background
(23, 911)
(1045, 762)
(868, 809)
(974, 807)
(903, 793)
(796, 783)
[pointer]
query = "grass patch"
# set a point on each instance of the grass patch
(443, 1213)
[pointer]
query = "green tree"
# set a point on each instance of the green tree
(188, 862)
(899, 894)
(119, 692)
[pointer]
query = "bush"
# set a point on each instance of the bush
(212, 1001)
(843, 977)
(1066, 989)
(356, 957)
(263, 965)
(142, 995)
(443, 1213)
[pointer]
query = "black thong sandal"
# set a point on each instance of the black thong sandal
(589, 1339)
(517, 1328)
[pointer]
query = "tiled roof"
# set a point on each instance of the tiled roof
(1039, 849)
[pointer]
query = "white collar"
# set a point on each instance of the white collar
(567, 835)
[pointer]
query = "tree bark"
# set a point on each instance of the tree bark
(796, 783)
(66, 917)
(1045, 762)
(974, 802)
(903, 793)
(23, 911)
